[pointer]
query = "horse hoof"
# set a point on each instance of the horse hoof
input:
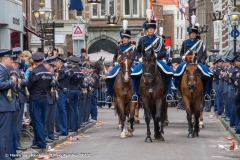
(129, 134)
(123, 136)
(157, 137)
(136, 122)
(190, 135)
(130, 129)
(196, 134)
(148, 139)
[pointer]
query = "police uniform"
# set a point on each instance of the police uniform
(40, 82)
(63, 80)
(94, 86)
(130, 46)
(155, 43)
(220, 108)
(190, 46)
(88, 96)
(74, 97)
(51, 108)
(21, 90)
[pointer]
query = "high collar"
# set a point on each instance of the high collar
(192, 39)
(151, 36)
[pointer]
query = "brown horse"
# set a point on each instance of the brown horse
(153, 97)
(123, 94)
(191, 90)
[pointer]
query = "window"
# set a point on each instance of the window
(103, 7)
(177, 14)
(111, 6)
(95, 10)
(177, 31)
(79, 13)
(127, 7)
(135, 7)
(181, 16)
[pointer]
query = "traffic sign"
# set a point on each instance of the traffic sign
(78, 31)
(237, 33)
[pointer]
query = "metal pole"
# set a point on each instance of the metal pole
(42, 43)
(53, 30)
(235, 36)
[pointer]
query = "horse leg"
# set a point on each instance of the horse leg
(156, 117)
(166, 114)
(123, 121)
(119, 121)
(131, 110)
(197, 125)
(163, 115)
(147, 120)
(201, 125)
(193, 124)
(190, 127)
(136, 119)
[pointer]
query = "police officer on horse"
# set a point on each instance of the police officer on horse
(124, 46)
(194, 46)
(152, 42)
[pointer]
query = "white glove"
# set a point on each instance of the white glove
(116, 63)
(183, 57)
(140, 60)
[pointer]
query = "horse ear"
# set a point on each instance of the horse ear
(103, 59)
(100, 58)
(194, 59)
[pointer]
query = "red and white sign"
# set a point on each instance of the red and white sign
(78, 31)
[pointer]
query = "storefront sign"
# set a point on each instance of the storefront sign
(16, 21)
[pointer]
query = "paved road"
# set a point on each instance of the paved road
(102, 141)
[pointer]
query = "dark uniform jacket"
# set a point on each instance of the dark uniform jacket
(76, 79)
(64, 77)
(5, 84)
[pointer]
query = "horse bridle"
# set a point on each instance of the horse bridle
(151, 75)
(188, 78)
(126, 71)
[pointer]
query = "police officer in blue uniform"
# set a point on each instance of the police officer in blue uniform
(63, 76)
(127, 46)
(195, 45)
(234, 77)
(21, 96)
(74, 98)
(8, 107)
(94, 86)
(220, 88)
(39, 84)
(52, 103)
(89, 82)
(153, 42)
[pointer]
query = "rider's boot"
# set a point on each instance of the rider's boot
(207, 97)
(169, 97)
(135, 91)
(109, 93)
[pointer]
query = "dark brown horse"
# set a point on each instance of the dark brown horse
(191, 90)
(100, 67)
(153, 96)
(123, 94)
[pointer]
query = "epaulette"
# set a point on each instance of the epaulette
(120, 43)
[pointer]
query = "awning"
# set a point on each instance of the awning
(76, 5)
(31, 31)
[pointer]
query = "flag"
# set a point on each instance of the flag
(180, 9)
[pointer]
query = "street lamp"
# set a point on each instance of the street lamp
(42, 15)
(216, 16)
(203, 28)
(234, 18)
(112, 19)
(93, 1)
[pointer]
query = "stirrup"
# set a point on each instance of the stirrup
(169, 95)
(135, 98)
(207, 98)
(212, 92)
(109, 99)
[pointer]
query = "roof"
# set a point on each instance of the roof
(166, 2)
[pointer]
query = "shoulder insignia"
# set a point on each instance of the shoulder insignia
(236, 70)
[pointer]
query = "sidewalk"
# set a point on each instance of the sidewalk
(27, 142)
(231, 130)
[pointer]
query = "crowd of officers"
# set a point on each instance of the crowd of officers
(61, 93)
(226, 74)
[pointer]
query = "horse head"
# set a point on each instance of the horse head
(126, 65)
(191, 71)
(149, 66)
(100, 67)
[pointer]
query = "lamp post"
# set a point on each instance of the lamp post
(234, 18)
(42, 15)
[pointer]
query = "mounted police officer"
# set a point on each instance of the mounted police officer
(194, 46)
(124, 46)
(39, 84)
(152, 42)
(63, 76)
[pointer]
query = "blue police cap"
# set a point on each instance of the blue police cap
(49, 61)
(75, 59)
(15, 59)
(56, 58)
(92, 66)
(236, 58)
(17, 50)
(218, 60)
(6, 53)
(83, 64)
(228, 59)
(87, 66)
(39, 56)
